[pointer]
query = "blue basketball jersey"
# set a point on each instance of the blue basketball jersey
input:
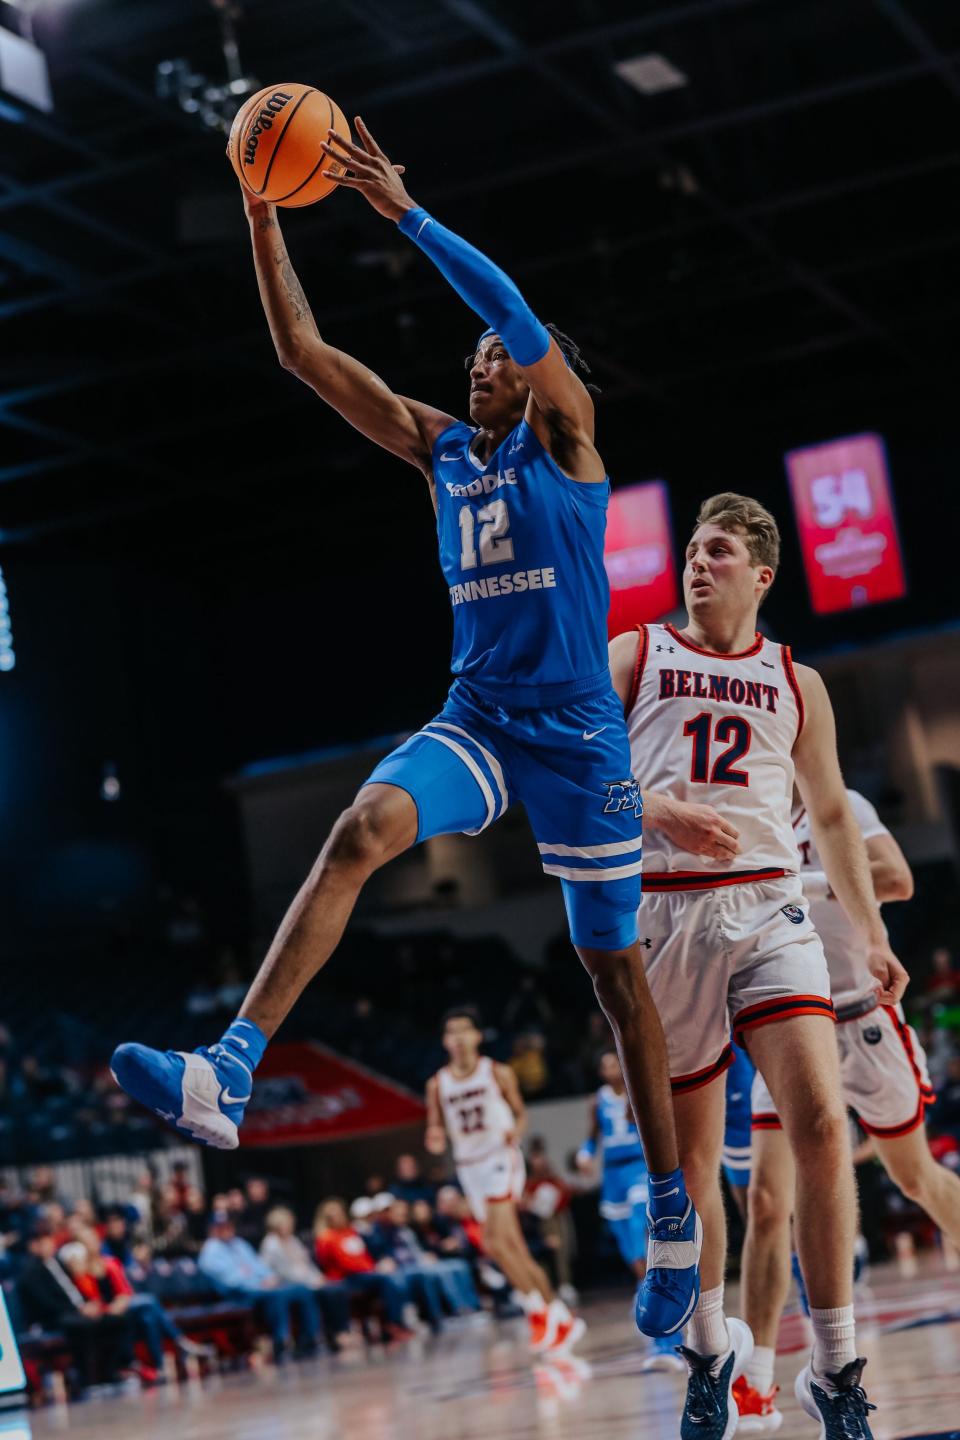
(619, 1139)
(521, 549)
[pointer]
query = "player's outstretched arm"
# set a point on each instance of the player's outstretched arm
(405, 427)
(560, 409)
(435, 1138)
(836, 833)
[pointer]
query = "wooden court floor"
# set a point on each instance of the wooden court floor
(479, 1383)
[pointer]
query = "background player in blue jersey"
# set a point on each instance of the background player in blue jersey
(737, 1128)
(520, 497)
(614, 1145)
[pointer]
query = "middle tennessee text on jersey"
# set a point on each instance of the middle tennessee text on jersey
(619, 1137)
(521, 549)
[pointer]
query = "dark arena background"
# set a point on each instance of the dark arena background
(220, 606)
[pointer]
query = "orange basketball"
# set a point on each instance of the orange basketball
(275, 144)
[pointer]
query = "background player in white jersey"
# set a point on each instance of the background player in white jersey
(884, 1074)
(720, 722)
(476, 1103)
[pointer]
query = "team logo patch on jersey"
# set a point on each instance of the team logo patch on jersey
(793, 913)
(872, 1034)
(623, 795)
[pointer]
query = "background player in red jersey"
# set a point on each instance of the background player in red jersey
(476, 1104)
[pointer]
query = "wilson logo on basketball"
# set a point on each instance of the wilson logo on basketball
(264, 121)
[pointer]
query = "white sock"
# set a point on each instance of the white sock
(559, 1310)
(534, 1303)
(834, 1340)
(759, 1371)
(707, 1332)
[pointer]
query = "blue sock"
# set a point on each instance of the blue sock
(667, 1195)
(246, 1042)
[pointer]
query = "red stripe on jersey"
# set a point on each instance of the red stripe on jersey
(754, 649)
(769, 1011)
(643, 646)
(791, 675)
(661, 881)
(684, 1084)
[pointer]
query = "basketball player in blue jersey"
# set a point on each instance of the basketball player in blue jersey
(614, 1145)
(520, 496)
(737, 1131)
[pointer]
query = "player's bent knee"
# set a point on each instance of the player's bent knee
(818, 1125)
(364, 837)
(616, 982)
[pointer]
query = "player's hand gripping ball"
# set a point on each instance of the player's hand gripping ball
(276, 144)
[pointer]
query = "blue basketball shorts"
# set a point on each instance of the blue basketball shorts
(623, 1204)
(736, 1135)
(570, 767)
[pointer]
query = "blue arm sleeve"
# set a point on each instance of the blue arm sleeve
(483, 285)
(589, 1148)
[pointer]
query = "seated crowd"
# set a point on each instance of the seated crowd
(170, 1277)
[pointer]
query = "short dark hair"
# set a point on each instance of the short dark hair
(462, 1012)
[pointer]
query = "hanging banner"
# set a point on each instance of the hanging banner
(843, 503)
(638, 556)
(305, 1094)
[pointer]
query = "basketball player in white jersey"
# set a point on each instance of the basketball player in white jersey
(475, 1102)
(884, 1074)
(721, 721)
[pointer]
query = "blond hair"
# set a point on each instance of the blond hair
(322, 1218)
(277, 1215)
(741, 514)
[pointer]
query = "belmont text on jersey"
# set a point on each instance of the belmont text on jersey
(692, 684)
(521, 549)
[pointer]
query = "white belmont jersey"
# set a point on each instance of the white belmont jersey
(477, 1117)
(716, 730)
(850, 980)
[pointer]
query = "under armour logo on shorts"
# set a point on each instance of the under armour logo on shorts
(873, 1034)
(623, 795)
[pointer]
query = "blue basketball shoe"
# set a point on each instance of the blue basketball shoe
(710, 1410)
(668, 1294)
(201, 1095)
(840, 1405)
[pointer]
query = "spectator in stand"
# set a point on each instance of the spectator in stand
(389, 1240)
(102, 1280)
(456, 1224)
(546, 1198)
(252, 1220)
(342, 1255)
(141, 1201)
(409, 1182)
(529, 1063)
(235, 1269)
(55, 1215)
(290, 1261)
(374, 1185)
(945, 1114)
(102, 1344)
(943, 985)
(455, 1275)
(179, 1183)
(116, 1240)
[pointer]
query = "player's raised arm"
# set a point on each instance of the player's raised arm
(560, 408)
(836, 833)
(405, 427)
